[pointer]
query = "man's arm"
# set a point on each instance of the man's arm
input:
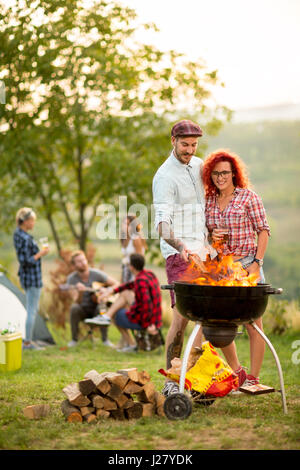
(167, 234)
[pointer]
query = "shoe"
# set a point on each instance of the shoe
(99, 320)
(251, 380)
(241, 373)
(72, 343)
(170, 387)
(32, 346)
(108, 343)
(242, 376)
(128, 349)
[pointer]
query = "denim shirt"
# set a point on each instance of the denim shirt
(179, 200)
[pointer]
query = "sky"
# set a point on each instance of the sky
(254, 44)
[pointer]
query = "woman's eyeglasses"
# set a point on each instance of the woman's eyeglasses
(224, 174)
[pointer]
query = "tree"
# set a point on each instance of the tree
(88, 109)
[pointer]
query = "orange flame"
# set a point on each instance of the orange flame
(221, 271)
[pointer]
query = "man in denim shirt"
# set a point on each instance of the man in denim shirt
(30, 273)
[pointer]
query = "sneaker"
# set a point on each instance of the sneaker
(108, 343)
(251, 380)
(99, 320)
(72, 343)
(170, 387)
(128, 349)
(242, 376)
(241, 373)
(31, 346)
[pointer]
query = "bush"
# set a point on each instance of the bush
(275, 317)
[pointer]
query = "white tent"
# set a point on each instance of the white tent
(13, 312)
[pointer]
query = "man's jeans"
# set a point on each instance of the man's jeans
(32, 306)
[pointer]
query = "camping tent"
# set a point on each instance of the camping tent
(13, 312)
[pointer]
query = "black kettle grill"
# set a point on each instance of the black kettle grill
(219, 310)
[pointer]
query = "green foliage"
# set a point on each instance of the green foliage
(243, 422)
(86, 109)
(275, 317)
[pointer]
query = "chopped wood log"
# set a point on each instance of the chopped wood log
(102, 414)
(135, 411)
(90, 418)
(74, 395)
(159, 398)
(160, 410)
(143, 377)
(122, 400)
(99, 380)
(115, 392)
(98, 401)
(118, 414)
(36, 411)
(86, 386)
(132, 388)
(148, 409)
(71, 413)
(109, 404)
(130, 373)
(87, 410)
(116, 379)
(128, 404)
(147, 395)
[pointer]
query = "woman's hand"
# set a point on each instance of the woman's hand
(253, 268)
(218, 234)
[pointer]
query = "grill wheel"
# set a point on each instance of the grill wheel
(177, 406)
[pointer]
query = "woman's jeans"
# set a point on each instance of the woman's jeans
(246, 261)
(32, 306)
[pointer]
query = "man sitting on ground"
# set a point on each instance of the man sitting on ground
(144, 313)
(82, 279)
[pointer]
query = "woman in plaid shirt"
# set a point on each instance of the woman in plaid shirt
(30, 273)
(235, 216)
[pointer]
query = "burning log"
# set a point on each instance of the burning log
(123, 395)
(220, 271)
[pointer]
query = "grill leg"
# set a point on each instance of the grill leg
(282, 390)
(186, 356)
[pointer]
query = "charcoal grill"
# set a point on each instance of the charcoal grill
(219, 310)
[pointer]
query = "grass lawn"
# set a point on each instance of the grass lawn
(240, 422)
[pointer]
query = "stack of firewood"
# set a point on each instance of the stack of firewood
(125, 394)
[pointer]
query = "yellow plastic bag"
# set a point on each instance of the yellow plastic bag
(210, 375)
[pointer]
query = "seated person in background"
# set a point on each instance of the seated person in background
(82, 279)
(144, 313)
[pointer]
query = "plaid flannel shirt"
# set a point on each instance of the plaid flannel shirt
(146, 309)
(244, 216)
(30, 272)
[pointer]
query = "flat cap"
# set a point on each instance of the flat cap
(186, 128)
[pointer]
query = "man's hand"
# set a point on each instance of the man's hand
(152, 330)
(198, 262)
(184, 252)
(104, 293)
(79, 286)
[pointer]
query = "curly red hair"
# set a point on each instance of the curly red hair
(240, 177)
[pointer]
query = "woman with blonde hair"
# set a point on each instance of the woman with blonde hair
(29, 256)
(232, 207)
